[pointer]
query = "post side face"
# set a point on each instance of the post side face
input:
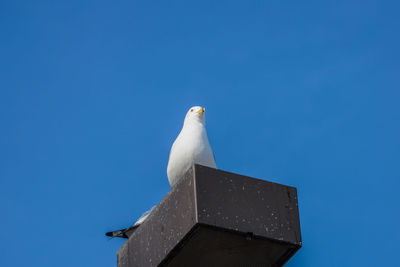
(247, 205)
(168, 223)
(123, 256)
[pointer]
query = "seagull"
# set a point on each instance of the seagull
(190, 147)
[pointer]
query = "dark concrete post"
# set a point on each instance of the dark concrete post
(216, 218)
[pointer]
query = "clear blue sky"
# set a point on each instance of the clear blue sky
(93, 93)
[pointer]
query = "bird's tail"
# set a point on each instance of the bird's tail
(123, 233)
(126, 233)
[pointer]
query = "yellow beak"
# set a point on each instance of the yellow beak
(201, 111)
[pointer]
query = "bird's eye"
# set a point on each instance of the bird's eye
(191, 110)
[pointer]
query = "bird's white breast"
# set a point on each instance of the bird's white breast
(191, 147)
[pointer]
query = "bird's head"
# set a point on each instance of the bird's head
(195, 114)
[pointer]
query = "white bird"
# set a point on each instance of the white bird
(190, 147)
